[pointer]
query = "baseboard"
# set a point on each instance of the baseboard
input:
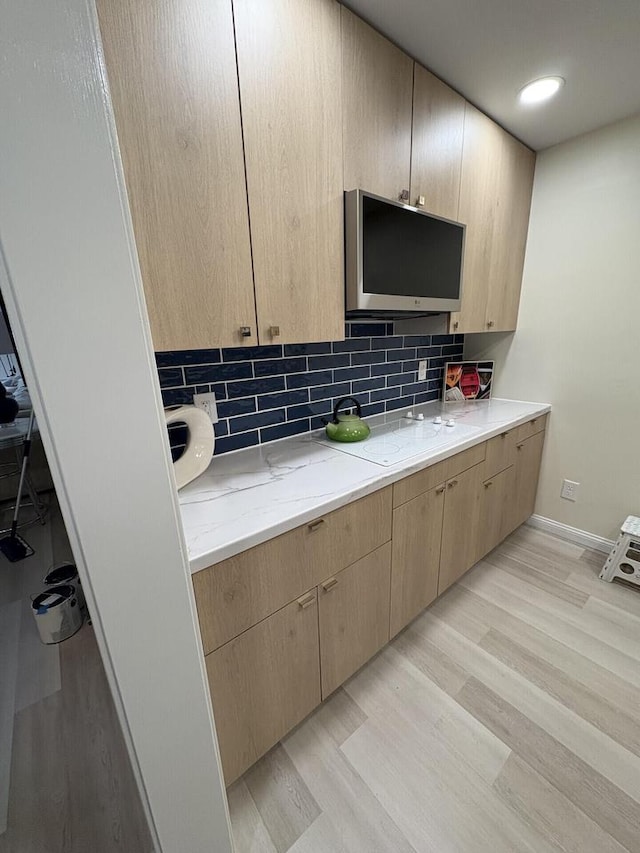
(571, 534)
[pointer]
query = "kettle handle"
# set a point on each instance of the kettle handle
(340, 402)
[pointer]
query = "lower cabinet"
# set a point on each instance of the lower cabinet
(353, 614)
(495, 510)
(459, 549)
(417, 535)
(527, 472)
(265, 682)
(270, 663)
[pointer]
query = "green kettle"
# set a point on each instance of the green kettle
(346, 427)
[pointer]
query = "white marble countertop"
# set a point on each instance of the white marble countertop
(249, 496)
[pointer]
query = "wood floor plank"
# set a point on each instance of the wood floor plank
(607, 757)
(538, 578)
(360, 821)
(595, 637)
(282, 799)
(560, 570)
(250, 835)
(390, 681)
(623, 597)
(599, 679)
(430, 661)
(439, 803)
(614, 721)
(38, 664)
(340, 716)
(541, 804)
(624, 620)
(607, 805)
(10, 619)
(468, 622)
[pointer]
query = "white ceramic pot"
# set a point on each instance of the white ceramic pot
(200, 443)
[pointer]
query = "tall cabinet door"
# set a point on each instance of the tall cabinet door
(517, 163)
(479, 194)
(528, 460)
(290, 87)
(172, 74)
(460, 547)
(377, 106)
(417, 532)
(436, 144)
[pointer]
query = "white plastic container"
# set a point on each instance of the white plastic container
(57, 613)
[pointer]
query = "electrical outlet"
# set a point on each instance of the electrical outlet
(422, 370)
(569, 490)
(207, 402)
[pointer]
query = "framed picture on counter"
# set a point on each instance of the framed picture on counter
(467, 380)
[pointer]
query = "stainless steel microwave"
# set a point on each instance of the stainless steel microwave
(400, 259)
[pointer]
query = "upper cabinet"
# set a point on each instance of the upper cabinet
(436, 145)
(377, 106)
(495, 197)
(174, 88)
(289, 67)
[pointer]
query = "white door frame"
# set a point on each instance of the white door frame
(70, 278)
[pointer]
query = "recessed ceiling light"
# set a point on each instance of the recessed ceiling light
(540, 90)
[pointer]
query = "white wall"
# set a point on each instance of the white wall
(578, 339)
(69, 274)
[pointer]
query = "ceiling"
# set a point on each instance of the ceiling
(488, 49)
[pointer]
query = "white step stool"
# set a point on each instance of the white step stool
(624, 560)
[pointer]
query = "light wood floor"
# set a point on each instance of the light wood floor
(66, 784)
(504, 719)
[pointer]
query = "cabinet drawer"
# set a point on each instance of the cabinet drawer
(265, 682)
(237, 593)
(531, 428)
(353, 613)
(416, 484)
(501, 453)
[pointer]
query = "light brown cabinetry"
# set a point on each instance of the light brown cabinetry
(527, 472)
(174, 89)
(238, 592)
(289, 67)
(417, 534)
(495, 510)
(460, 527)
(353, 613)
(495, 197)
(264, 682)
(436, 144)
(284, 624)
(377, 104)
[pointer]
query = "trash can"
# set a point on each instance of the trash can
(57, 613)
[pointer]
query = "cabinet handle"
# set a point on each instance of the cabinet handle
(245, 331)
(520, 446)
(505, 434)
(452, 483)
(533, 421)
(420, 201)
(489, 323)
(327, 585)
(455, 325)
(490, 483)
(274, 331)
(315, 525)
(306, 600)
(440, 489)
(404, 195)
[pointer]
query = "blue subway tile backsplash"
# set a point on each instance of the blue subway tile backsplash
(266, 393)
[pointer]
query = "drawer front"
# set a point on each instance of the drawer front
(531, 428)
(417, 484)
(353, 613)
(264, 683)
(501, 453)
(237, 593)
